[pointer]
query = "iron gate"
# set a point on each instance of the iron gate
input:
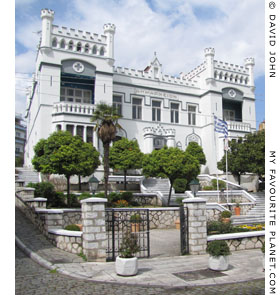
(119, 223)
(184, 230)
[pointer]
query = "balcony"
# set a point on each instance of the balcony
(73, 108)
(239, 126)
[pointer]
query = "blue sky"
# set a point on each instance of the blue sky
(178, 30)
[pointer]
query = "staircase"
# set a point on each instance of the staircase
(154, 185)
(255, 214)
(27, 175)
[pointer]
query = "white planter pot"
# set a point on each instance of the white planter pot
(218, 262)
(126, 266)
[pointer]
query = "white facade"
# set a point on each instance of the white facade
(76, 69)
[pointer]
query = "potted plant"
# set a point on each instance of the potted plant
(263, 251)
(219, 255)
(225, 216)
(135, 221)
(126, 263)
(237, 209)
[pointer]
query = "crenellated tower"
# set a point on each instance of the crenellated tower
(109, 32)
(249, 64)
(47, 16)
(209, 58)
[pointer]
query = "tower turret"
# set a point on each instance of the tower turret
(209, 58)
(109, 32)
(47, 16)
(249, 64)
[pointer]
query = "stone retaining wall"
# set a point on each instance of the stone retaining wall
(241, 241)
(71, 216)
(163, 218)
(66, 240)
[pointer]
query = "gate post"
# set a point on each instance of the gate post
(94, 229)
(197, 228)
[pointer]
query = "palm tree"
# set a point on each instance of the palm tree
(106, 118)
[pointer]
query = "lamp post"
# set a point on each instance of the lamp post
(194, 185)
(93, 184)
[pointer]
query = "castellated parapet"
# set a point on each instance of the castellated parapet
(47, 13)
(110, 28)
(209, 51)
(249, 61)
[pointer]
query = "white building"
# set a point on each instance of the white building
(76, 69)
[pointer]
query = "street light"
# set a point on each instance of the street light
(93, 184)
(194, 185)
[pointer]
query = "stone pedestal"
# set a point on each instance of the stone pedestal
(197, 227)
(53, 219)
(94, 229)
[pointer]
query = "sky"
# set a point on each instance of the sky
(177, 30)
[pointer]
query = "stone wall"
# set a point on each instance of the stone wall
(163, 218)
(71, 216)
(69, 241)
(241, 241)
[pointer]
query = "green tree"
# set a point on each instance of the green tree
(196, 150)
(124, 155)
(62, 153)
(106, 118)
(170, 163)
(246, 155)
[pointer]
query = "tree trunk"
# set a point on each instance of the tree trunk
(106, 147)
(68, 191)
(80, 185)
(239, 178)
(125, 180)
(170, 190)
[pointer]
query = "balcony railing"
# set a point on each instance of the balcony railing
(73, 108)
(238, 126)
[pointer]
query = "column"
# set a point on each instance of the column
(53, 219)
(197, 227)
(94, 229)
(85, 134)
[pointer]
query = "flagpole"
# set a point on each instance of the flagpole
(216, 160)
(226, 148)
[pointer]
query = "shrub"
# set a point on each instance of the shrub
(45, 190)
(222, 184)
(114, 197)
(179, 200)
(127, 196)
(84, 195)
(180, 185)
(218, 227)
(73, 227)
(121, 204)
(218, 248)
(226, 214)
(129, 246)
(135, 218)
(100, 195)
(263, 247)
(208, 188)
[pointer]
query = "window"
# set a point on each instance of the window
(80, 131)
(58, 127)
(137, 108)
(17, 149)
(75, 95)
(89, 134)
(156, 110)
(94, 50)
(86, 48)
(70, 45)
(70, 128)
(62, 43)
(191, 115)
(54, 42)
(159, 143)
(117, 103)
(229, 115)
(79, 47)
(174, 113)
(17, 134)
(102, 51)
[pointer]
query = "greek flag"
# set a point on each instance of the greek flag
(220, 126)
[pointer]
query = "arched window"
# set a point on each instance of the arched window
(94, 50)
(102, 51)
(54, 42)
(79, 47)
(246, 80)
(215, 75)
(62, 43)
(86, 48)
(70, 45)
(236, 79)
(221, 76)
(241, 79)
(226, 77)
(231, 78)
